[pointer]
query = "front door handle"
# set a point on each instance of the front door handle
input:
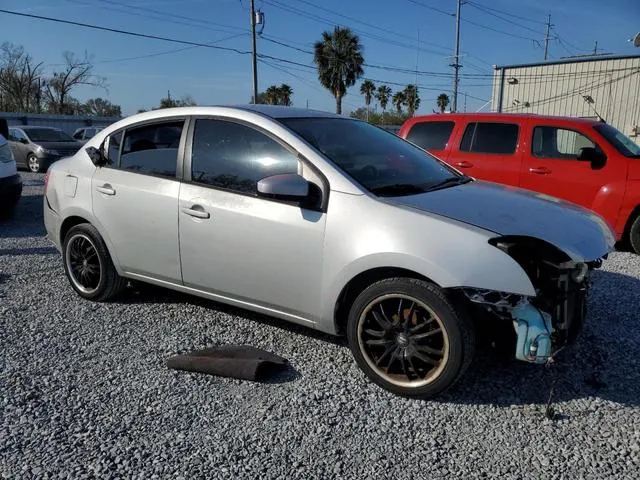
(196, 211)
(106, 189)
(464, 164)
(540, 170)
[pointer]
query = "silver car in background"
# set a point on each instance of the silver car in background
(328, 222)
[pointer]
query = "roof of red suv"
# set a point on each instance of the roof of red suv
(496, 115)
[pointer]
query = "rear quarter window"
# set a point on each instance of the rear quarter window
(431, 135)
(489, 137)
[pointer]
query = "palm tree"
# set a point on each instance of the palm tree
(412, 99)
(367, 89)
(382, 95)
(339, 59)
(398, 100)
(285, 93)
(272, 95)
(443, 102)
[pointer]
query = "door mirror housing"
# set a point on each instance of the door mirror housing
(287, 187)
(593, 155)
(24, 140)
(96, 155)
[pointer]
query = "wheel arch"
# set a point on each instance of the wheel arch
(635, 213)
(356, 286)
(77, 217)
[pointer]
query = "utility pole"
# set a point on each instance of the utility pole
(456, 63)
(254, 55)
(465, 101)
(546, 38)
(595, 48)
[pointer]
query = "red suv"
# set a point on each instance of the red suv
(583, 161)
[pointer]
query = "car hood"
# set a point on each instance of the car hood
(583, 235)
(59, 145)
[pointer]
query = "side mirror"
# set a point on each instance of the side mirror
(24, 140)
(96, 156)
(288, 186)
(590, 154)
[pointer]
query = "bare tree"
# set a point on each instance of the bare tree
(20, 89)
(185, 101)
(76, 72)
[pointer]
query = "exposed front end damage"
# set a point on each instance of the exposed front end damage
(551, 319)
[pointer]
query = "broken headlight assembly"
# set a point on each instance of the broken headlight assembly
(553, 317)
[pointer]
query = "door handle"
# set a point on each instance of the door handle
(540, 170)
(196, 212)
(464, 164)
(106, 189)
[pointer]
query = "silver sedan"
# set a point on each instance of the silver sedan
(328, 222)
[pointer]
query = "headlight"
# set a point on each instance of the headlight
(579, 272)
(41, 149)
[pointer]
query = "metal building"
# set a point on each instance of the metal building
(592, 86)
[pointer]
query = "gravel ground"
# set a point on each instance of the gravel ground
(85, 391)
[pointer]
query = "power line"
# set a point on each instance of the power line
(504, 12)
(511, 22)
(126, 32)
(326, 21)
(362, 22)
(164, 18)
(171, 15)
(157, 54)
(471, 22)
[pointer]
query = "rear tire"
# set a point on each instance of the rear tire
(634, 235)
(88, 264)
(408, 337)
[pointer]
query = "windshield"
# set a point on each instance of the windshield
(47, 135)
(380, 161)
(619, 140)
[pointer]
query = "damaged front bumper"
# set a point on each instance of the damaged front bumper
(547, 322)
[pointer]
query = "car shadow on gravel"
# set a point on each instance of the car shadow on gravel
(602, 363)
(26, 220)
(146, 293)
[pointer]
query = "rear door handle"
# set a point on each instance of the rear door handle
(106, 189)
(540, 170)
(464, 164)
(196, 211)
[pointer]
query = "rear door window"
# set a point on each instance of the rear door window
(151, 149)
(431, 135)
(489, 137)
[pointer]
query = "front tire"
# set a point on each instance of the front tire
(88, 264)
(634, 235)
(33, 163)
(408, 338)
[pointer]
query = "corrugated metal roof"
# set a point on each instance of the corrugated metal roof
(592, 58)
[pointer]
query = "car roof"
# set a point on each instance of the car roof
(499, 116)
(33, 127)
(273, 111)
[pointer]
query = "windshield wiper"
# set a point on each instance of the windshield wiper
(397, 189)
(449, 182)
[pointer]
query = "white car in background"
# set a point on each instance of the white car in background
(85, 134)
(10, 180)
(328, 222)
